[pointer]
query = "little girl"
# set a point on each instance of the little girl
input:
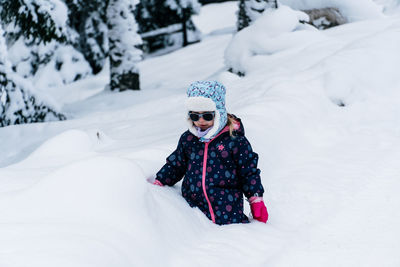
(215, 159)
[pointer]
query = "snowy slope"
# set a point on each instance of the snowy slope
(74, 193)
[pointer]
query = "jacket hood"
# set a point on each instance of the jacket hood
(239, 128)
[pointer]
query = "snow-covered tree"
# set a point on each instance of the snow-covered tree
(69, 39)
(250, 10)
(107, 28)
(88, 19)
(41, 20)
(94, 41)
(17, 102)
(123, 41)
(243, 19)
(38, 37)
(167, 23)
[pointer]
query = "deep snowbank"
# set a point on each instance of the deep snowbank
(84, 204)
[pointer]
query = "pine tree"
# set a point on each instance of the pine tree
(88, 19)
(17, 103)
(36, 19)
(107, 28)
(38, 36)
(123, 41)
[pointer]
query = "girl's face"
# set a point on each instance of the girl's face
(202, 123)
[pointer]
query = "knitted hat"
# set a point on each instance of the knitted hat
(207, 96)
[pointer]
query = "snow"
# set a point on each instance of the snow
(74, 193)
(352, 10)
(266, 36)
(72, 66)
(64, 64)
(389, 6)
(56, 9)
(211, 15)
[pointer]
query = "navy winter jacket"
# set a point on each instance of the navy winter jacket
(216, 174)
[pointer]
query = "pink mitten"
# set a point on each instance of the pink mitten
(154, 181)
(157, 182)
(258, 209)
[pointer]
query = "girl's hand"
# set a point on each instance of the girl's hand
(258, 209)
(154, 181)
(157, 182)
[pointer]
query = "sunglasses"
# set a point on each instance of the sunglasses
(207, 116)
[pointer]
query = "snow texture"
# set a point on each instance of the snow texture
(322, 111)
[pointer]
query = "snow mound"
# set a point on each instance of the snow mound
(69, 143)
(271, 33)
(83, 214)
(96, 189)
(99, 211)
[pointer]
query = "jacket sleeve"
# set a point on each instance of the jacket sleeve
(175, 167)
(249, 175)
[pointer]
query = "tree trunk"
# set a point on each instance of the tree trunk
(184, 26)
(122, 81)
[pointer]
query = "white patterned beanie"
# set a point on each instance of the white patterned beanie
(207, 96)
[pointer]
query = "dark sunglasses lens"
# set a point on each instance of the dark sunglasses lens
(208, 116)
(194, 117)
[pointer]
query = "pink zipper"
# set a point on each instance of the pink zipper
(203, 181)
